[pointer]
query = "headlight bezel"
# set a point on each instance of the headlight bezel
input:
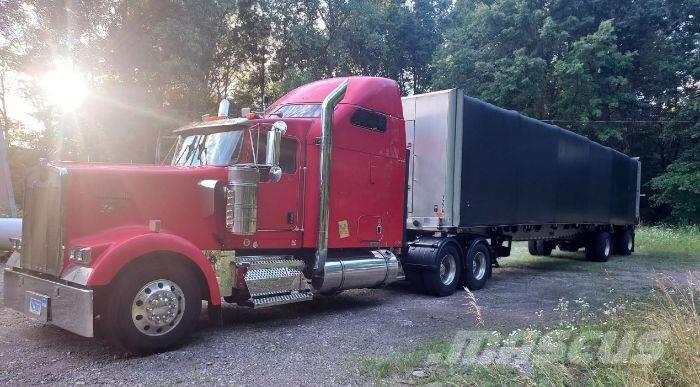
(80, 255)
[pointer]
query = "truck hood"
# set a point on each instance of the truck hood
(99, 197)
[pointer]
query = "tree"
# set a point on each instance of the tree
(623, 73)
(592, 83)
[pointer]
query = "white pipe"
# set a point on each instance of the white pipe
(9, 228)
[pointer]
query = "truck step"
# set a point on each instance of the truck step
(264, 282)
(265, 276)
(269, 262)
(279, 299)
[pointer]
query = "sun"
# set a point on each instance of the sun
(64, 87)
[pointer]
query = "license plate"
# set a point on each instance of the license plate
(35, 306)
(38, 305)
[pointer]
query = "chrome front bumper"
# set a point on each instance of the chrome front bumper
(65, 306)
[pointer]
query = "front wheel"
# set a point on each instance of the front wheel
(153, 307)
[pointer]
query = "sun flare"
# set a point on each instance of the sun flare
(65, 87)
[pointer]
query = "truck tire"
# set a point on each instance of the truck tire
(415, 278)
(544, 248)
(443, 281)
(540, 248)
(624, 243)
(478, 266)
(599, 247)
(152, 307)
(532, 248)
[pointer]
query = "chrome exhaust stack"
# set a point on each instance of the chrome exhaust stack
(324, 175)
(378, 267)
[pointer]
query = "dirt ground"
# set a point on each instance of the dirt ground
(324, 340)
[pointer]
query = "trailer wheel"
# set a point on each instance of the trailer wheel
(540, 248)
(443, 281)
(532, 248)
(599, 247)
(152, 307)
(545, 248)
(624, 243)
(478, 266)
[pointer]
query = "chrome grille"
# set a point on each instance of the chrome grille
(42, 224)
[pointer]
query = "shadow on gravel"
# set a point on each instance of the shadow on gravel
(236, 315)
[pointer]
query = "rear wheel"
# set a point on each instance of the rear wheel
(540, 247)
(599, 247)
(624, 243)
(443, 281)
(478, 270)
(415, 278)
(532, 248)
(153, 308)
(545, 248)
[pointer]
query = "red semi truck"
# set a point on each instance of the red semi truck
(340, 184)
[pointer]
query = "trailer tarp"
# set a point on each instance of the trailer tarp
(517, 170)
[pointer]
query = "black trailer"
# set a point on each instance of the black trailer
(480, 174)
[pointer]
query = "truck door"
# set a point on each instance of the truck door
(278, 202)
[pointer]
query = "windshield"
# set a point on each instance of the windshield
(299, 111)
(218, 149)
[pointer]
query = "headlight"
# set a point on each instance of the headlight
(80, 255)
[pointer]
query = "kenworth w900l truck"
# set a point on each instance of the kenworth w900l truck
(340, 184)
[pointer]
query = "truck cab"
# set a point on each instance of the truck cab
(262, 210)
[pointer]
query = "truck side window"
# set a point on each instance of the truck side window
(288, 153)
(368, 119)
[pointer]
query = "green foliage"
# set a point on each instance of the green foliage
(680, 188)
(591, 79)
(675, 242)
(624, 73)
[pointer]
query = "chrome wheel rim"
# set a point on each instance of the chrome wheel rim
(479, 265)
(448, 269)
(606, 251)
(158, 307)
(629, 244)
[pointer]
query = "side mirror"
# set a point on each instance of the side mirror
(272, 156)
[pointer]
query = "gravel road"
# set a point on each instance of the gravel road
(322, 341)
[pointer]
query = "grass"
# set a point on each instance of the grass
(672, 313)
(670, 309)
(683, 241)
(659, 247)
